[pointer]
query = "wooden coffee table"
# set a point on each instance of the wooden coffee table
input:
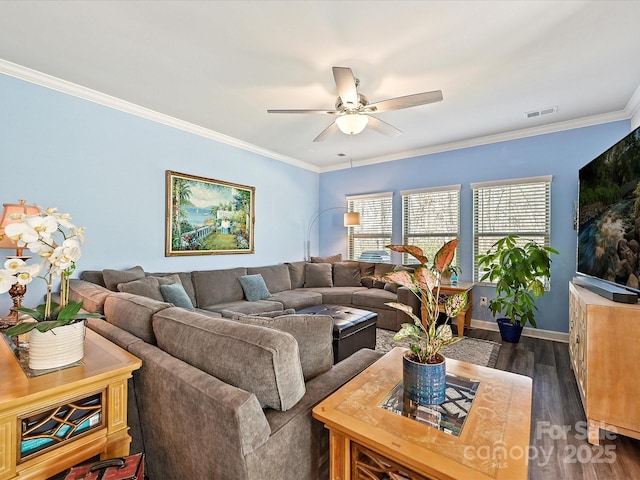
(84, 407)
(367, 441)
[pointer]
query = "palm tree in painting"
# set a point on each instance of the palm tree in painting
(181, 196)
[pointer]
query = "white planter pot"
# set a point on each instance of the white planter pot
(56, 348)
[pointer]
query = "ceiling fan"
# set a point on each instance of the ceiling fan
(353, 111)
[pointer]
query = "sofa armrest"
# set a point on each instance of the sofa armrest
(194, 425)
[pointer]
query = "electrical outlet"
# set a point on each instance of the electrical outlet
(483, 301)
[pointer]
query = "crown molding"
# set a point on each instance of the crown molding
(497, 138)
(48, 81)
(75, 90)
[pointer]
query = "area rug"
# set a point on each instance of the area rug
(472, 350)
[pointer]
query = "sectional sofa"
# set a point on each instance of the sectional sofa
(231, 397)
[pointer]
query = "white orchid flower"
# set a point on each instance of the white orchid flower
(45, 226)
(71, 248)
(22, 233)
(14, 265)
(28, 273)
(7, 280)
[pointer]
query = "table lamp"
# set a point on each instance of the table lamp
(17, 291)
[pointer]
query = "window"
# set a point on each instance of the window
(430, 218)
(519, 207)
(374, 231)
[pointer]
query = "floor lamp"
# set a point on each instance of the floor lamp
(351, 219)
(17, 291)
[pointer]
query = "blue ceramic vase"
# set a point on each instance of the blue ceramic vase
(424, 383)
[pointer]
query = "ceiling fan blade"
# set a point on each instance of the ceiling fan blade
(405, 102)
(330, 112)
(346, 86)
(330, 130)
(383, 127)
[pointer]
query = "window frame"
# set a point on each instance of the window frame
(512, 186)
(441, 234)
(353, 231)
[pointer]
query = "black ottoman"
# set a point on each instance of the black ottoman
(353, 328)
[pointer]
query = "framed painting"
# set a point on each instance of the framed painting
(207, 217)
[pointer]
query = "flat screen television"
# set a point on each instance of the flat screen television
(609, 217)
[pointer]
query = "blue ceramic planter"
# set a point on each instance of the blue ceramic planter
(509, 332)
(424, 383)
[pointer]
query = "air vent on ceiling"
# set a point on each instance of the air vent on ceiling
(542, 111)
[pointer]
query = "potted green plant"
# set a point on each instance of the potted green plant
(424, 367)
(519, 269)
(56, 330)
(451, 274)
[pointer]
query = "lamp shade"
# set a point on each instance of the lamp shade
(351, 219)
(352, 123)
(11, 209)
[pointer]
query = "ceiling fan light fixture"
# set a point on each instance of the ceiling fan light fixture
(352, 123)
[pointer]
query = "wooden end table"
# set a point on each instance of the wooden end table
(464, 317)
(90, 398)
(367, 441)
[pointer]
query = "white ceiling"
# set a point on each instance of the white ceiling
(220, 65)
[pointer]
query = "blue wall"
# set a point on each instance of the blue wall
(559, 154)
(107, 169)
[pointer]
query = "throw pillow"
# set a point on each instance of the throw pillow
(113, 277)
(346, 274)
(314, 334)
(254, 287)
(145, 287)
(330, 259)
(317, 275)
(176, 294)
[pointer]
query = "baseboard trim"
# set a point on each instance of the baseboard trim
(527, 331)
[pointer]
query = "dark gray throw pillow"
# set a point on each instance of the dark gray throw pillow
(176, 294)
(254, 287)
(318, 275)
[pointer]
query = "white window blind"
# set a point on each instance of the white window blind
(430, 218)
(374, 231)
(519, 207)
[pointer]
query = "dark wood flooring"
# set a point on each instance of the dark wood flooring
(557, 409)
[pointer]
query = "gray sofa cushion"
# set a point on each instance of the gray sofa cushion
(148, 286)
(175, 293)
(246, 307)
(317, 275)
(298, 299)
(91, 295)
(213, 287)
(223, 348)
(254, 287)
(93, 276)
(133, 313)
(276, 277)
(314, 334)
(296, 274)
(113, 277)
(185, 279)
(337, 295)
(373, 297)
(346, 274)
(330, 259)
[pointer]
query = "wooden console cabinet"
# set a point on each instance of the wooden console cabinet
(51, 422)
(604, 346)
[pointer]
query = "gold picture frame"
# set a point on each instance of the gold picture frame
(208, 217)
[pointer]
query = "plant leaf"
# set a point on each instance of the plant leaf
(415, 252)
(401, 277)
(445, 255)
